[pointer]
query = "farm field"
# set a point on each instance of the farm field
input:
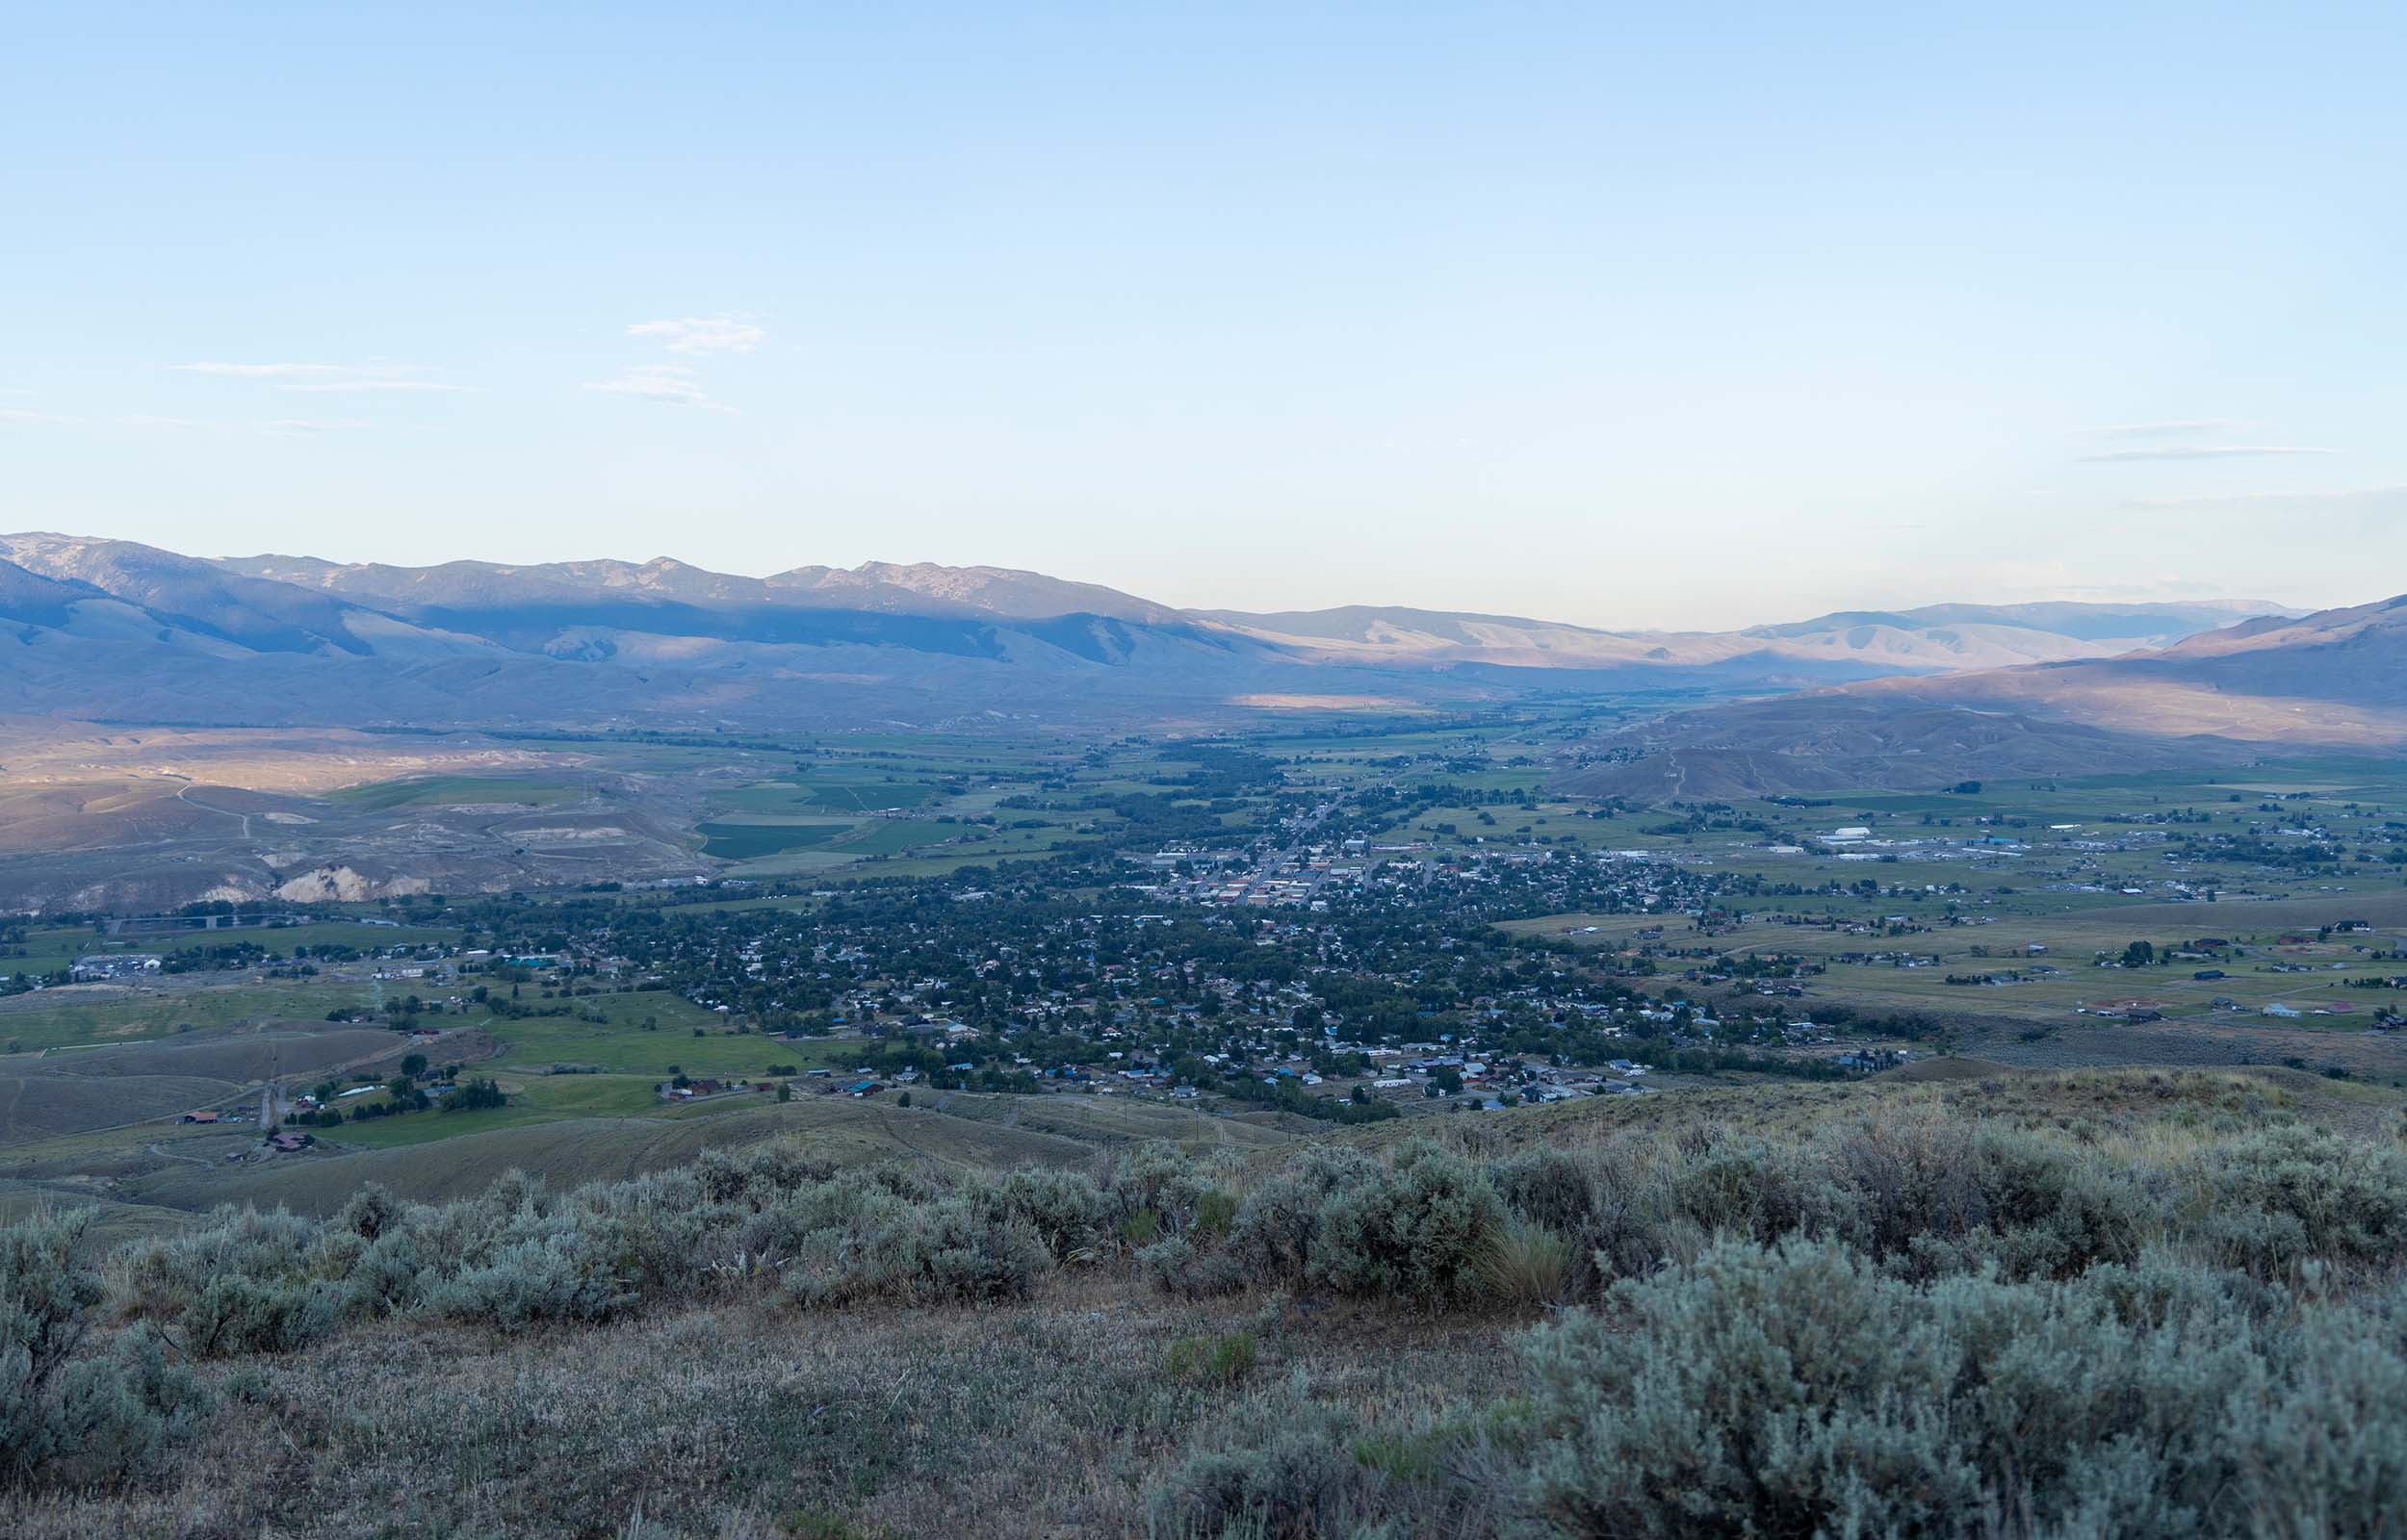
(534, 1098)
(866, 806)
(85, 1015)
(69, 1101)
(461, 790)
(802, 796)
(365, 938)
(687, 1038)
(751, 841)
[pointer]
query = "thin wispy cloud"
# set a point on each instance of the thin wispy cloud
(2180, 428)
(171, 424)
(667, 384)
(329, 378)
(2202, 452)
(313, 425)
(280, 426)
(26, 413)
(726, 333)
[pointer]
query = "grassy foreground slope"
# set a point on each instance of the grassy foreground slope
(2106, 1302)
(837, 1129)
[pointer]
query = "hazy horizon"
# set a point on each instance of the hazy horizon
(1728, 622)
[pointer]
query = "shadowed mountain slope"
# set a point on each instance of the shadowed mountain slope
(2334, 679)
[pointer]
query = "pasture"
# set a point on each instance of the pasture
(84, 1014)
(749, 842)
(455, 790)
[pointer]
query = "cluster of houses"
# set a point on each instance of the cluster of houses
(702, 1088)
(281, 1141)
(96, 967)
(1303, 876)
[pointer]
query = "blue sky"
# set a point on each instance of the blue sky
(1625, 316)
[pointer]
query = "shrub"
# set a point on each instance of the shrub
(1179, 1267)
(944, 1249)
(66, 1416)
(369, 1212)
(1546, 1187)
(1742, 1186)
(1419, 1231)
(1291, 1483)
(548, 1277)
(1799, 1390)
(118, 1413)
(237, 1315)
(1155, 1177)
(1924, 1197)
(962, 1254)
(2288, 1195)
(1273, 1238)
(1066, 1211)
(167, 1277)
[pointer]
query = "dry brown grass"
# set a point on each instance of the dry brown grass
(1050, 1417)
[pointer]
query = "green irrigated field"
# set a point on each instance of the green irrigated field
(365, 937)
(887, 837)
(994, 846)
(434, 791)
(749, 842)
(867, 796)
(48, 948)
(826, 794)
(868, 839)
(90, 1014)
(623, 1044)
(534, 1098)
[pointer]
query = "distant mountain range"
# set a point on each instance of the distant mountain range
(111, 630)
(2332, 680)
(1939, 638)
